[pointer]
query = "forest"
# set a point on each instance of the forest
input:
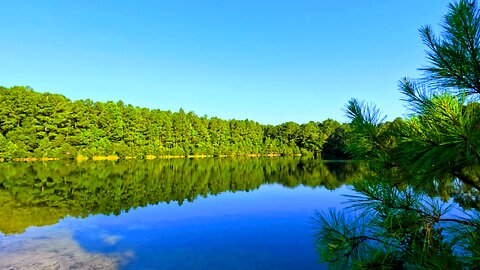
(415, 171)
(36, 125)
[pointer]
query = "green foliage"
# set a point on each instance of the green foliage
(433, 154)
(440, 141)
(49, 125)
(454, 57)
(443, 140)
(7, 148)
(340, 240)
(370, 138)
(396, 229)
(335, 147)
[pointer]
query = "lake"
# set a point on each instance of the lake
(211, 213)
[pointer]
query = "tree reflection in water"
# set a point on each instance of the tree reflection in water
(394, 225)
(39, 194)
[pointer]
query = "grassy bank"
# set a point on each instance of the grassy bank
(147, 157)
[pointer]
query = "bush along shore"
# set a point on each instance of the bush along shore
(147, 157)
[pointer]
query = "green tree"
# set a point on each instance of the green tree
(436, 147)
(50, 125)
(335, 147)
(441, 137)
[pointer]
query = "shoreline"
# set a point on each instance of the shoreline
(147, 157)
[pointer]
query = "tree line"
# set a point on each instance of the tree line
(34, 124)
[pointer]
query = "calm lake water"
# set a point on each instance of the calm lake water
(214, 213)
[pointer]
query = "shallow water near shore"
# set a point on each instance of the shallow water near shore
(252, 213)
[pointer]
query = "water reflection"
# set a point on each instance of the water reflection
(218, 213)
(404, 222)
(52, 250)
(39, 194)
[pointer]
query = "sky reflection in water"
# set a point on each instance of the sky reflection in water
(265, 228)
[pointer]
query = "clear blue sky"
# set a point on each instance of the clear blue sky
(269, 61)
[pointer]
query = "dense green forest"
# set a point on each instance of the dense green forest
(36, 124)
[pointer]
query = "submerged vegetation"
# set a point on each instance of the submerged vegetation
(401, 222)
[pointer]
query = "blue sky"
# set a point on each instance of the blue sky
(268, 61)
